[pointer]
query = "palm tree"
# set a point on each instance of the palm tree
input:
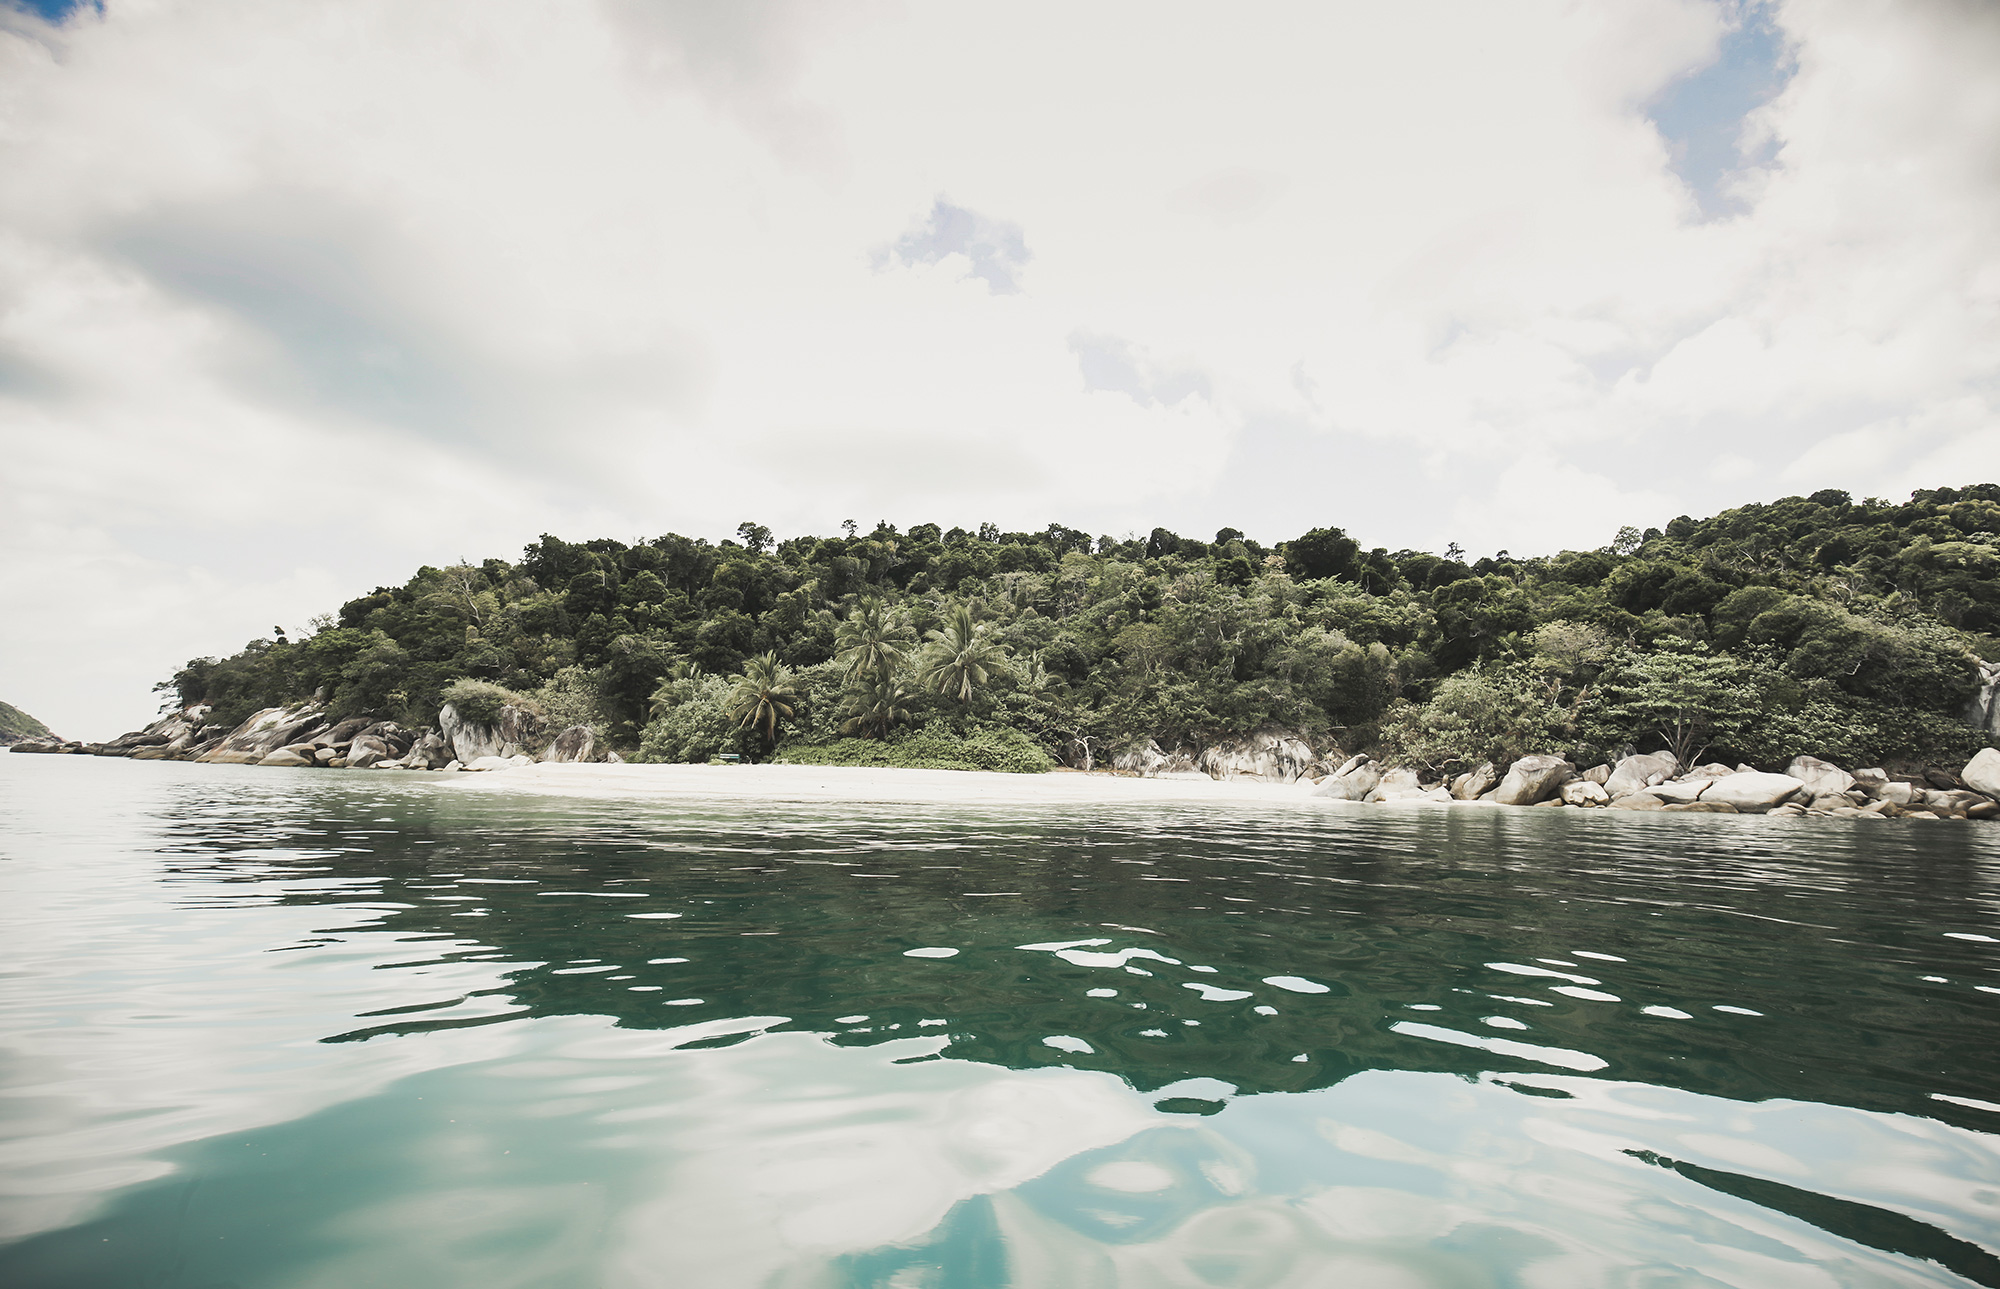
(959, 657)
(763, 694)
(875, 705)
(871, 643)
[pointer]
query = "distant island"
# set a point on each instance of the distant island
(1855, 631)
(16, 726)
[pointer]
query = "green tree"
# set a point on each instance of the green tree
(763, 695)
(874, 705)
(960, 657)
(871, 643)
(1685, 695)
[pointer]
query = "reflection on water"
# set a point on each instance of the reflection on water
(267, 1028)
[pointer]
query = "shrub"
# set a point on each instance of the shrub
(935, 747)
(481, 700)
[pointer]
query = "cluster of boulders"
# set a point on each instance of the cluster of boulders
(304, 736)
(1656, 781)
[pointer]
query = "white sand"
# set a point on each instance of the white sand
(874, 784)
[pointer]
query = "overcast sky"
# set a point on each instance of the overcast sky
(295, 298)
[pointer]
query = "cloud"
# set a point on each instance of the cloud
(995, 250)
(295, 299)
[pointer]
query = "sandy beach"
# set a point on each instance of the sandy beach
(871, 784)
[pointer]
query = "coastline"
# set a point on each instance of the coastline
(880, 785)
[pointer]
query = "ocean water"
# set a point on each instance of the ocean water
(312, 1029)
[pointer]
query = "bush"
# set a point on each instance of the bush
(935, 747)
(480, 701)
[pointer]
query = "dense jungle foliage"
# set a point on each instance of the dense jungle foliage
(1849, 629)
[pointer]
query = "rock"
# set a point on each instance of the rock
(520, 758)
(1752, 791)
(1148, 761)
(1396, 785)
(1713, 770)
(1870, 779)
(325, 755)
(1476, 782)
(1790, 810)
(612, 758)
(1820, 777)
(451, 767)
(1982, 772)
(577, 743)
(1919, 814)
(1897, 794)
(1584, 792)
(510, 733)
(1639, 801)
(365, 751)
(1637, 773)
(1704, 808)
(1983, 810)
(1983, 712)
(1943, 779)
(285, 756)
(1680, 791)
(343, 733)
(427, 753)
(1597, 774)
(265, 732)
(153, 754)
(1532, 779)
(489, 763)
(1353, 784)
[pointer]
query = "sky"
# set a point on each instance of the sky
(297, 298)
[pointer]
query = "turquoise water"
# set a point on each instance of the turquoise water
(295, 1028)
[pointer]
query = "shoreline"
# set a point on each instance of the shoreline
(880, 785)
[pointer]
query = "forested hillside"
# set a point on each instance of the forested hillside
(16, 725)
(1848, 629)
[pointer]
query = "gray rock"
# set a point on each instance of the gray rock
(1898, 793)
(1533, 779)
(1353, 785)
(1637, 773)
(427, 753)
(265, 732)
(1820, 777)
(1597, 774)
(1704, 808)
(1584, 792)
(1681, 791)
(365, 751)
(1396, 785)
(285, 756)
(511, 733)
(1476, 782)
(1639, 801)
(489, 763)
(1713, 770)
(1982, 772)
(1752, 791)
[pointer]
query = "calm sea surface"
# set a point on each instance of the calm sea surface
(313, 1029)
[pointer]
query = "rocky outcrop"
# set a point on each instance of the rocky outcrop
(1982, 772)
(1752, 791)
(512, 732)
(1533, 779)
(1638, 773)
(1396, 785)
(1584, 792)
(577, 744)
(1353, 781)
(1820, 777)
(1983, 711)
(265, 732)
(1148, 761)
(1476, 782)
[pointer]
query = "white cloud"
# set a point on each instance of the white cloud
(293, 300)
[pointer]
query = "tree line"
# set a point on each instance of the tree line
(1848, 629)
